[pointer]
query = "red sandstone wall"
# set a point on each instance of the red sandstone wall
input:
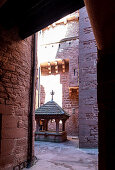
(42, 95)
(15, 78)
(88, 111)
(70, 49)
(52, 126)
(69, 103)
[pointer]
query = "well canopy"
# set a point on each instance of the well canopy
(51, 110)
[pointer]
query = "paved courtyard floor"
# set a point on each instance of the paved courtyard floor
(64, 156)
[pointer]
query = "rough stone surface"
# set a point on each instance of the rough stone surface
(88, 110)
(15, 84)
(63, 156)
(68, 103)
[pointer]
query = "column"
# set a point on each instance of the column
(57, 125)
(88, 127)
(46, 125)
(63, 125)
(37, 125)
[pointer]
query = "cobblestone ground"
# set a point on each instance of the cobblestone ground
(64, 156)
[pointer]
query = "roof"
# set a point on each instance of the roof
(51, 109)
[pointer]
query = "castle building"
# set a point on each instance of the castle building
(59, 55)
(95, 82)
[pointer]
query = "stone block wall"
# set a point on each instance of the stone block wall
(15, 83)
(70, 50)
(88, 110)
(69, 103)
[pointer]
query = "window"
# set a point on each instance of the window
(74, 72)
(73, 110)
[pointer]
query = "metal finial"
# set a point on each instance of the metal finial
(52, 93)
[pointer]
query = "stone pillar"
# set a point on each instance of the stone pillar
(57, 125)
(37, 125)
(46, 125)
(63, 125)
(88, 109)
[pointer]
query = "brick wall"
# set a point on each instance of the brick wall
(15, 81)
(88, 111)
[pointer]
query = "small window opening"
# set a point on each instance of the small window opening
(69, 43)
(74, 72)
(52, 45)
(73, 111)
(59, 45)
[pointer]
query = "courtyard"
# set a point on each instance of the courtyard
(64, 156)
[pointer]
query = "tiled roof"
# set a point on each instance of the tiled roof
(50, 108)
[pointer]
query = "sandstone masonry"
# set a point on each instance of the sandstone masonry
(15, 84)
(88, 110)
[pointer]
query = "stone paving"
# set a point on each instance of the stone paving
(64, 156)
